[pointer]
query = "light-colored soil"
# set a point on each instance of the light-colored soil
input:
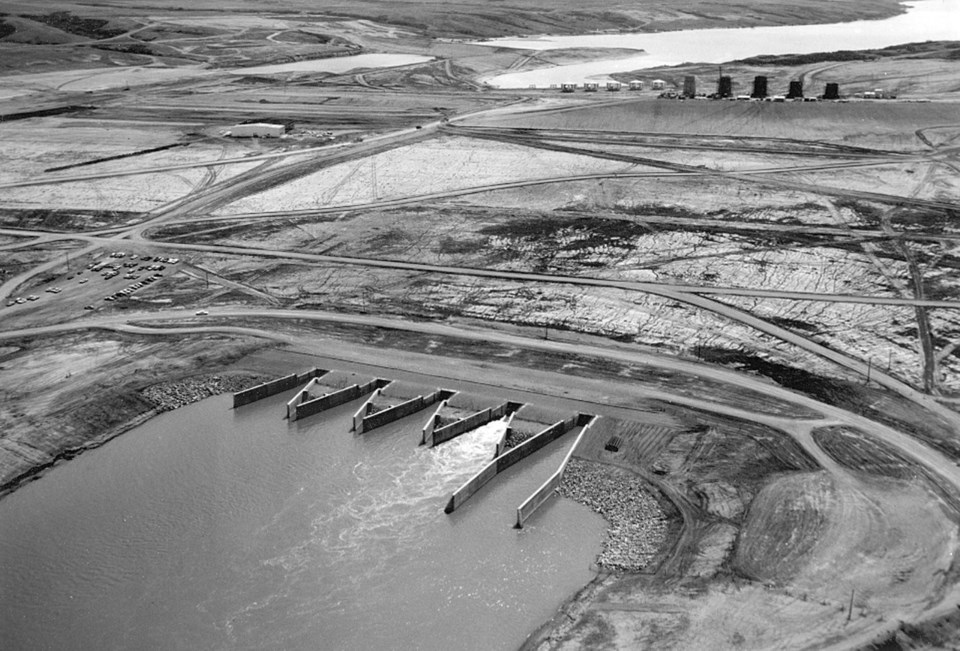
(885, 125)
(436, 166)
(810, 545)
(62, 395)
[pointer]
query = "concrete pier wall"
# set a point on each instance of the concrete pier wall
(432, 423)
(464, 425)
(302, 395)
(514, 455)
(363, 411)
(526, 418)
(549, 487)
(502, 443)
(337, 398)
(531, 445)
(274, 387)
(402, 410)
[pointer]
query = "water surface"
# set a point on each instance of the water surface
(212, 528)
(924, 20)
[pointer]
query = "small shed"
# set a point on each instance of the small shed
(636, 84)
(614, 85)
(591, 86)
(659, 84)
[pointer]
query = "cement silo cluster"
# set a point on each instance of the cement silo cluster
(724, 89)
(761, 90)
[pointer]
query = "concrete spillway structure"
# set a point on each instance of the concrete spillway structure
(395, 401)
(549, 487)
(512, 456)
(526, 422)
(461, 413)
(333, 390)
(274, 387)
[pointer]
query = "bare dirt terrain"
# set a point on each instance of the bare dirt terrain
(761, 298)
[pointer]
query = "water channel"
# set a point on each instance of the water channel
(213, 528)
(924, 20)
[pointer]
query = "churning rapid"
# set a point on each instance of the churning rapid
(212, 528)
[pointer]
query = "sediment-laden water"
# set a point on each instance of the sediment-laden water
(212, 528)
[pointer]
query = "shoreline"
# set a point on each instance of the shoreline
(166, 396)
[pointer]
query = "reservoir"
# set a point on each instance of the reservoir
(924, 20)
(214, 528)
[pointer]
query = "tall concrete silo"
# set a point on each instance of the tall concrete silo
(759, 87)
(725, 87)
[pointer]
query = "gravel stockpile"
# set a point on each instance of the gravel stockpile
(171, 395)
(636, 524)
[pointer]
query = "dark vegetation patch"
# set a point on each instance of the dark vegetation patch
(110, 158)
(791, 324)
(94, 28)
(744, 452)
(299, 36)
(938, 633)
(127, 48)
(933, 222)
(6, 29)
(926, 50)
(854, 450)
(895, 411)
(40, 113)
(64, 220)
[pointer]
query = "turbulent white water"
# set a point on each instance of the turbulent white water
(925, 20)
(212, 528)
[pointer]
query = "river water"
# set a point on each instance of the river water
(924, 20)
(213, 528)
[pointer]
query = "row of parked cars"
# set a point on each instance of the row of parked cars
(134, 264)
(126, 291)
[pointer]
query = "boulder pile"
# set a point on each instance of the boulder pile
(637, 525)
(172, 395)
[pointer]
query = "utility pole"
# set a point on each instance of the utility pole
(850, 609)
(869, 366)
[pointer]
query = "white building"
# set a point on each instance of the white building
(257, 130)
(658, 84)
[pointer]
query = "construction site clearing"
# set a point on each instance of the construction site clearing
(761, 298)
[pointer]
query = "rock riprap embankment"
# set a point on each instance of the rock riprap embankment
(172, 395)
(637, 525)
